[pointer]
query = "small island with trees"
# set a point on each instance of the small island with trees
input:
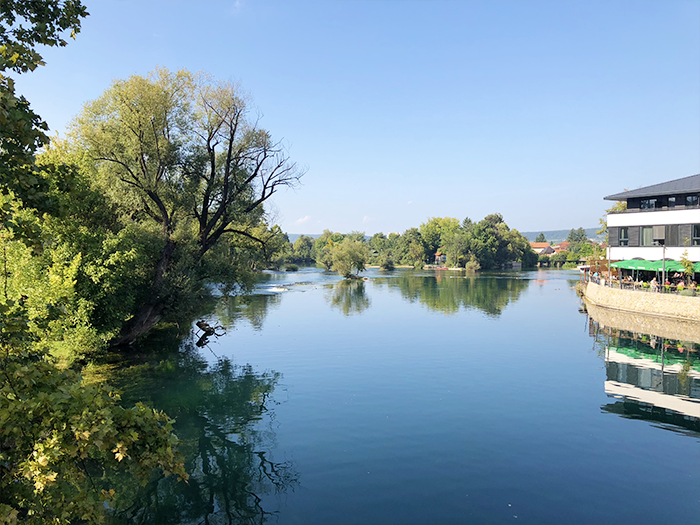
(486, 245)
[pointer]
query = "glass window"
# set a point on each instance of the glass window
(647, 204)
(672, 236)
(671, 202)
(646, 236)
(624, 237)
(696, 235)
(691, 200)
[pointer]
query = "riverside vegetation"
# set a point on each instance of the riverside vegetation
(155, 196)
(156, 193)
(485, 245)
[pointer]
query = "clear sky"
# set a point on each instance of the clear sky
(404, 110)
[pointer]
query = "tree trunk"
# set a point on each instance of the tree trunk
(151, 311)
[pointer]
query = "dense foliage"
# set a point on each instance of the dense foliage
(156, 195)
(488, 244)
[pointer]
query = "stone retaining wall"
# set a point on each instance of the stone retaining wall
(665, 327)
(663, 305)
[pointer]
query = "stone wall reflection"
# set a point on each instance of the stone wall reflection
(652, 366)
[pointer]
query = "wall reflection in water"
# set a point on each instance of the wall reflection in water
(224, 416)
(651, 374)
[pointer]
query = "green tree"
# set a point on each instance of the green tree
(323, 246)
(177, 155)
(577, 236)
(541, 238)
(348, 256)
(303, 249)
(436, 233)
(378, 242)
(495, 244)
(356, 236)
(688, 266)
(409, 247)
(25, 25)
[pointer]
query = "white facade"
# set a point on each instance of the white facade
(654, 218)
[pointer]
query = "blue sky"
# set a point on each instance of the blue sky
(404, 110)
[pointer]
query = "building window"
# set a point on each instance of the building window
(672, 236)
(696, 235)
(647, 204)
(671, 202)
(646, 236)
(624, 237)
(691, 200)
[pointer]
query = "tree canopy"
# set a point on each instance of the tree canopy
(178, 156)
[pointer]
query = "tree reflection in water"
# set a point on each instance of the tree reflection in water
(449, 293)
(220, 412)
(252, 308)
(349, 297)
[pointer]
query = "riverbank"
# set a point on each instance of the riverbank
(661, 305)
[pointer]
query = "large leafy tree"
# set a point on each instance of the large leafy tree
(436, 233)
(349, 256)
(178, 154)
(58, 434)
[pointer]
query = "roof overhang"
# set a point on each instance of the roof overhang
(673, 187)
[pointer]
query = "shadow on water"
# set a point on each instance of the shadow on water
(348, 296)
(225, 419)
(651, 374)
(450, 293)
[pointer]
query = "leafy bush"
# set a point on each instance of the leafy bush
(61, 439)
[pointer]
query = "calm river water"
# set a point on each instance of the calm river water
(421, 397)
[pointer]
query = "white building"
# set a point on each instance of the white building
(666, 214)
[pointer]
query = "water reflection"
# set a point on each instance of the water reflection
(348, 296)
(449, 293)
(224, 416)
(251, 308)
(652, 375)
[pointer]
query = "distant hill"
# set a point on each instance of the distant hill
(561, 235)
(294, 236)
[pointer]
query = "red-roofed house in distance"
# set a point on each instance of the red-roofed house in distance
(542, 248)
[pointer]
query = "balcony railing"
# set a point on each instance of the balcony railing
(664, 208)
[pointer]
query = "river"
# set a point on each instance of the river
(417, 397)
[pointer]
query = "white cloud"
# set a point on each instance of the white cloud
(409, 202)
(302, 220)
(366, 219)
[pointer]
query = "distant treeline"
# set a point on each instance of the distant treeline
(487, 244)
